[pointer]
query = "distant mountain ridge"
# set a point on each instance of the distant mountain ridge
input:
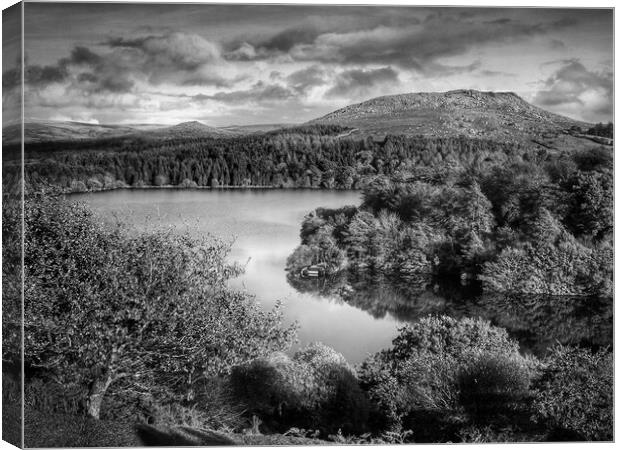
(191, 129)
(50, 130)
(56, 130)
(495, 115)
(501, 116)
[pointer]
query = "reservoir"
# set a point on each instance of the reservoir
(264, 224)
(355, 317)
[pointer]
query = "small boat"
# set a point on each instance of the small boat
(313, 271)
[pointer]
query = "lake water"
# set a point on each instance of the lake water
(355, 317)
(265, 224)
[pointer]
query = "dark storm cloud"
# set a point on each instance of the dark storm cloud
(35, 76)
(11, 79)
(107, 77)
(81, 55)
(416, 46)
(183, 58)
(574, 84)
(287, 39)
(360, 81)
(176, 58)
(180, 51)
(280, 43)
(303, 80)
(260, 92)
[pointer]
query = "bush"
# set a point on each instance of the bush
(314, 389)
(269, 385)
(566, 267)
(575, 393)
(429, 364)
(493, 385)
(443, 335)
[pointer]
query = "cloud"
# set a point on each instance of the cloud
(417, 45)
(285, 40)
(358, 82)
(260, 92)
(573, 89)
(81, 56)
(556, 44)
(183, 58)
(497, 73)
(305, 79)
(177, 59)
(35, 76)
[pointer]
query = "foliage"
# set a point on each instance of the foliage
(430, 363)
(600, 129)
(591, 210)
(149, 308)
(308, 156)
(11, 279)
(491, 385)
(564, 267)
(314, 389)
(541, 225)
(575, 393)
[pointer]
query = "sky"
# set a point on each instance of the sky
(258, 64)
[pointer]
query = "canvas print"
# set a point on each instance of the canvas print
(229, 224)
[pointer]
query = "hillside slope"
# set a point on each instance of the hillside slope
(50, 130)
(190, 129)
(53, 130)
(494, 115)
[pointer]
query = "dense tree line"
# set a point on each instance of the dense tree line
(540, 227)
(289, 158)
(603, 130)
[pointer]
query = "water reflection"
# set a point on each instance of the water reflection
(536, 321)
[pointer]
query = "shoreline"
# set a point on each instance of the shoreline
(209, 188)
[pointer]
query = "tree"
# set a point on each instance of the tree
(592, 204)
(430, 363)
(576, 392)
(149, 308)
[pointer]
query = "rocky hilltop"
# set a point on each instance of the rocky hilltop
(495, 115)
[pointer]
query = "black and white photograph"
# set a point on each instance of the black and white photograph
(306, 224)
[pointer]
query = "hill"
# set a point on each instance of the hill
(494, 115)
(257, 128)
(190, 129)
(51, 130)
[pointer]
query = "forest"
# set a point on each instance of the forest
(309, 157)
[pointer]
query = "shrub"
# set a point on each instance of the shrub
(566, 267)
(443, 335)
(269, 385)
(51, 397)
(575, 393)
(424, 372)
(493, 385)
(315, 389)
